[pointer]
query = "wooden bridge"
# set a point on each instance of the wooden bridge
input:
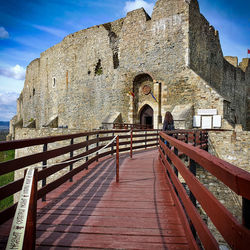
(120, 189)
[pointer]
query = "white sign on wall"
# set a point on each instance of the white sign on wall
(217, 121)
(196, 121)
(206, 122)
(207, 112)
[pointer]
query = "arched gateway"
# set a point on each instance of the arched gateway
(146, 116)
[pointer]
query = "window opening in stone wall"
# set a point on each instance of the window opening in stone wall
(34, 91)
(89, 72)
(98, 68)
(54, 82)
(115, 60)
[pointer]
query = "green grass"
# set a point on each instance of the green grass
(5, 179)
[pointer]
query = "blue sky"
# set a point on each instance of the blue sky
(29, 27)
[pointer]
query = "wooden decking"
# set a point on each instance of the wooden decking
(95, 212)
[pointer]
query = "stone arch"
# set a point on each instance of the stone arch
(140, 96)
(146, 115)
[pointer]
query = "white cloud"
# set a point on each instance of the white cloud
(132, 5)
(8, 98)
(7, 105)
(3, 33)
(52, 31)
(17, 72)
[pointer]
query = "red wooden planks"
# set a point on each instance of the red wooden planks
(96, 212)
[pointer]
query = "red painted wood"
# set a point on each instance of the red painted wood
(235, 178)
(96, 212)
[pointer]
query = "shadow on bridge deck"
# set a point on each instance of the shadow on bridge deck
(94, 211)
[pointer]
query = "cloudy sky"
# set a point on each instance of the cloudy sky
(29, 27)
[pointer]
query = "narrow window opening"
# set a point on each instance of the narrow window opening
(54, 82)
(98, 68)
(115, 60)
(34, 91)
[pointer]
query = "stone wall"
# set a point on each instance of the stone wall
(89, 74)
(224, 75)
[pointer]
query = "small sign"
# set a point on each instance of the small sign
(207, 112)
(217, 121)
(206, 122)
(197, 121)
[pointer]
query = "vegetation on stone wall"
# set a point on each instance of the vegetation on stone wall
(5, 179)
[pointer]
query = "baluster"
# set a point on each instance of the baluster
(45, 148)
(176, 153)
(112, 145)
(117, 159)
(87, 149)
(145, 139)
(192, 169)
(97, 145)
(131, 143)
(71, 155)
(30, 230)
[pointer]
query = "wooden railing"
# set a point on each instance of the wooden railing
(127, 126)
(236, 235)
(85, 148)
(82, 149)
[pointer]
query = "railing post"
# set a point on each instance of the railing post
(97, 144)
(45, 148)
(112, 146)
(30, 230)
(131, 143)
(117, 159)
(194, 138)
(87, 149)
(201, 138)
(71, 155)
(145, 139)
(246, 212)
(176, 153)
(192, 169)
(186, 141)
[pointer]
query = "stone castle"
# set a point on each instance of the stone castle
(135, 69)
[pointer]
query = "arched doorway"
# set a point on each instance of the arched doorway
(146, 116)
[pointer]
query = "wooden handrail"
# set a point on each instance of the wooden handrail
(237, 236)
(25, 161)
(235, 178)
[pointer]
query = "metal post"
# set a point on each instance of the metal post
(131, 143)
(97, 144)
(246, 212)
(87, 149)
(194, 138)
(117, 159)
(45, 148)
(30, 230)
(71, 155)
(192, 169)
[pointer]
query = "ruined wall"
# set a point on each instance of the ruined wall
(206, 59)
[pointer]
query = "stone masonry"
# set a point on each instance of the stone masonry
(176, 53)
